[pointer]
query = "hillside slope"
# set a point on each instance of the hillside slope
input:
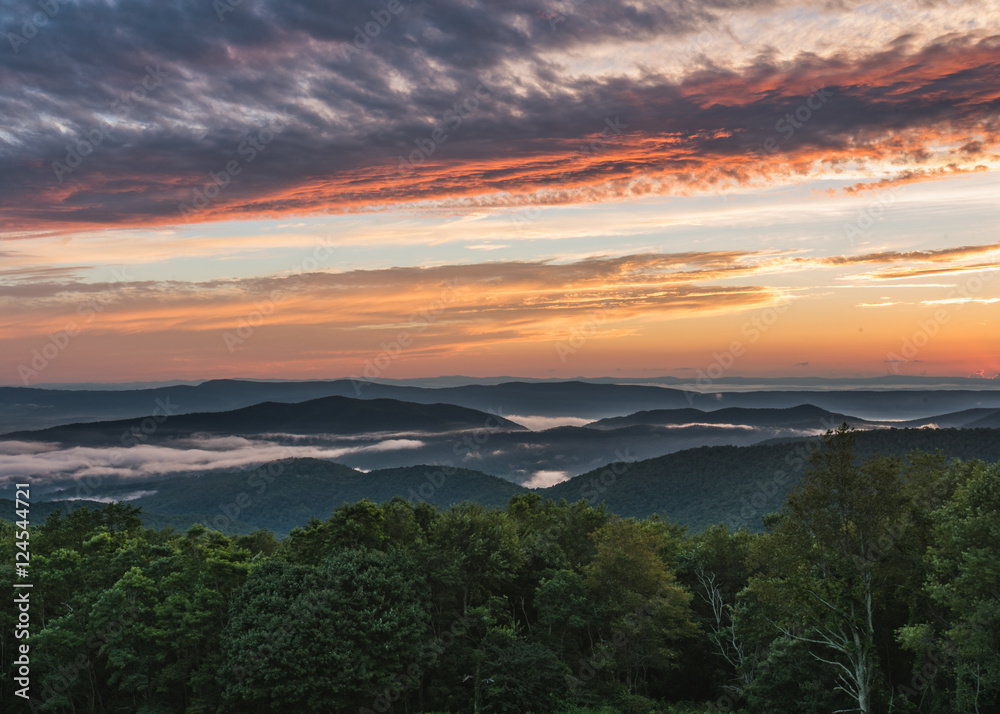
(328, 415)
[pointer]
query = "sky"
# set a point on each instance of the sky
(397, 189)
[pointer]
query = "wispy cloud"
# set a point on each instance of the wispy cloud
(961, 301)
(540, 423)
(920, 106)
(904, 273)
(493, 303)
(147, 461)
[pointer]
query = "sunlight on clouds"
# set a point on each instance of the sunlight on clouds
(544, 479)
(961, 301)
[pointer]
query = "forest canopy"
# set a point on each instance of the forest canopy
(874, 588)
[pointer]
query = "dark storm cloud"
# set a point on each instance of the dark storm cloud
(165, 94)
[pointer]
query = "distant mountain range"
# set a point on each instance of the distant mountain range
(23, 408)
(803, 416)
(992, 421)
(695, 487)
(375, 434)
(328, 415)
(893, 381)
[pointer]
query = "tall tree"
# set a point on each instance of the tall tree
(715, 566)
(643, 612)
(827, 563)
(334, 637)
(964, 579)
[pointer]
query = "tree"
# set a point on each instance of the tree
(642, 611)
(77, 557)
(354, 525)
(716, 568)
(564, 607)
(333, 637)
(519, 675)
(964, 579)
(164, 620)
(827, 562)
(484, 547)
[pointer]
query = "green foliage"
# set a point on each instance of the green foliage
(330, 637)
(964, 580)
(519, 674)
(739, 485)
(886, 565)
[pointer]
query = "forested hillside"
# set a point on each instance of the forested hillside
(696, 487)
(876, 588)
(739, 485)
(281, 495)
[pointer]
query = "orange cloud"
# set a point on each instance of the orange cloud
(445, 311)
(915, 113)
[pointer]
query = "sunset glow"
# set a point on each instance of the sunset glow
(499, 189)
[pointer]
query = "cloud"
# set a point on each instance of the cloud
(919, 256)
(540, 423)
(33, 274)
(147, 461)
(707, 425)
(338, 320)
(527, 295)
(130, 496)
(902, 273)
(544, 479)
(20, 448)
(526, 103)
(961, 301)
(918, 175)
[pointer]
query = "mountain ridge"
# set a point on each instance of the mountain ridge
(23, 408)
(333, 414)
